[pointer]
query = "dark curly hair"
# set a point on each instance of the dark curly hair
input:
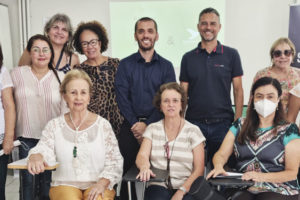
(95, 27)
(171, 86)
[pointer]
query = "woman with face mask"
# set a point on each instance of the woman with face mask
(266, 147)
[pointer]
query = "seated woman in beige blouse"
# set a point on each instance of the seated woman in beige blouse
(83, 143)
(173, 144)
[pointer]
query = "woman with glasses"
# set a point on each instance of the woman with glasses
(266, 147)
(171, 144)
(282, 54)
(37, 99)
(59, 31)
(91, 40)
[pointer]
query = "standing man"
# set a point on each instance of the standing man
(206, 75)
(138, 78)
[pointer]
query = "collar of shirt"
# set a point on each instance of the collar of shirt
(139, 57)
(218, 49)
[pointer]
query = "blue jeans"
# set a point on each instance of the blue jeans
(214, 134)
(26, 179)
(156, 192)
(3, 173)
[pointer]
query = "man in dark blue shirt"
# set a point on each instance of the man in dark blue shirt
(207, 73)
(138, 78)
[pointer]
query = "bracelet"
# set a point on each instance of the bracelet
(182, 188)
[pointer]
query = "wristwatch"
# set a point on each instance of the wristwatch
(182, 188)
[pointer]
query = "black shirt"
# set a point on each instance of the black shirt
(137, 82)
(209, 77)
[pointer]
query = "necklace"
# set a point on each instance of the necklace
(169, 154)
(76, 131)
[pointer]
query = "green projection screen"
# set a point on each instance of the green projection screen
(177, 25)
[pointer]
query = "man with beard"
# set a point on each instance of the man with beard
(206, 75)
(138, 78)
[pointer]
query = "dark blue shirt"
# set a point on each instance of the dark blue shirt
(210, 77)
(137, 82)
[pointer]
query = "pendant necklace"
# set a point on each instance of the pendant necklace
(169, 154)
(76, 132)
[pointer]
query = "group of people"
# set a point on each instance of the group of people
(100, 117)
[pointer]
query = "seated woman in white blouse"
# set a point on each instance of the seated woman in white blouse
(83, 143)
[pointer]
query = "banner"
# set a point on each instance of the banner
(294, 32)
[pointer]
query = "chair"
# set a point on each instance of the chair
(130, 176)
(22, 165)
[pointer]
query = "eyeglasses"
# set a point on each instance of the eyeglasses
(168, 156)
(93, 43)
(278, 53)
(37, 50)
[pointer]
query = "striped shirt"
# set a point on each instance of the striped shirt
(181, 161)
(37, 101)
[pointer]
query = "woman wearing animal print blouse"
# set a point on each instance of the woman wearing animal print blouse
(91, 40)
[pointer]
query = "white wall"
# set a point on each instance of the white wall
(77, 10)
(250, 26)
(14, 28)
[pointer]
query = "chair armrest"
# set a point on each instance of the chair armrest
(230, 182)
(161, 175)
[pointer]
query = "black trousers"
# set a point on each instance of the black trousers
(129, 148)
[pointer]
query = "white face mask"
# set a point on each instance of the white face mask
(265, 107)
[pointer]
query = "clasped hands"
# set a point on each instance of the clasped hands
(36, 164)
(138, 129)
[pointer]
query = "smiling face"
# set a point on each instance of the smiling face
(40, 53)
(282, 61)
(171, 104)
(209, 27)
(90, 44)
(77, 95)
(146, 35)
(58, 33)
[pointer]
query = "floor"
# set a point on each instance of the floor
(12, 187)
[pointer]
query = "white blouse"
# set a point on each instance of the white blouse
(5, 82)
(98, 154)
(37, 101)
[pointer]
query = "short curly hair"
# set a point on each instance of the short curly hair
(95, 27)
(171, 86)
